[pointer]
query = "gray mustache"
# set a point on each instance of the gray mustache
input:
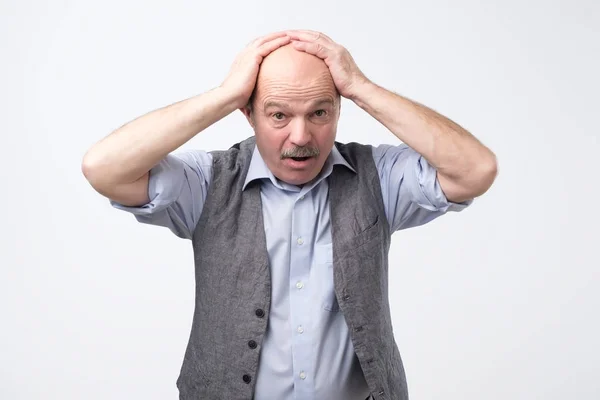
(300, 152)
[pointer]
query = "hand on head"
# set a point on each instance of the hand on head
(344, 71)
(242, 75)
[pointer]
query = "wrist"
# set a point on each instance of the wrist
(231, 100)
(362, 91)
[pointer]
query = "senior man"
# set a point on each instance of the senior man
(290, 228)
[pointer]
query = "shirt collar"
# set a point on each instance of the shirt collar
(258, 168)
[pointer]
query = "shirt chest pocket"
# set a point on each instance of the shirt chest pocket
(323, 275)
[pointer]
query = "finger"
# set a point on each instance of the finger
(267, 38)
(274, 44)
(315, 49)
(316, 33)
(309, 36)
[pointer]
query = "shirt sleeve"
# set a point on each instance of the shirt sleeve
(412, 195)
(177, 189)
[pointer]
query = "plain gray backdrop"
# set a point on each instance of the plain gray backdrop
(497, 302)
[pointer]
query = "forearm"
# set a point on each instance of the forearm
(457, 155)
(132, 150)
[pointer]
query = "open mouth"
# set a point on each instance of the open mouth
(300, 158)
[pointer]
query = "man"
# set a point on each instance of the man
(290, 229)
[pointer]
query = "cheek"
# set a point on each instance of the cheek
(325, 135)
(270, 140)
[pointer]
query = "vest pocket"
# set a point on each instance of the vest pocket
(324, 277)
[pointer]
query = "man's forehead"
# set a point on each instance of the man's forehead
(298, 91)
(295, 79)
(320, 101)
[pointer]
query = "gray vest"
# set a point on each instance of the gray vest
(233, 284)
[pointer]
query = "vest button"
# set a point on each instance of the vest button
(252, 344)
(260, 313)
(247, 378)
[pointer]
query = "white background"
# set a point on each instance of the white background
(497, 302)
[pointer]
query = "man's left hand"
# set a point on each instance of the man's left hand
(345, 73)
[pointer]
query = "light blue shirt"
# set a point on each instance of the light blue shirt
(307, 353)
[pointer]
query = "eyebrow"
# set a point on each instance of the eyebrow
(279, 104)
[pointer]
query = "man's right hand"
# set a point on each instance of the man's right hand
(242, 77)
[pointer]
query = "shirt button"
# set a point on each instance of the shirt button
(260, 313)
(300, 241)
(302, 375)
(300, 329)
(301, 197)
(299, 285)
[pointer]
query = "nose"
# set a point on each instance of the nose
(299, 135)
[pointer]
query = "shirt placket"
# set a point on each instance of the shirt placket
(302, 242)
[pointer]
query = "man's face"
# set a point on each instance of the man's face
(294, 114)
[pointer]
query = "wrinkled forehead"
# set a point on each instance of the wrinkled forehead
(297, 91)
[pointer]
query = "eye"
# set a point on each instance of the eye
(278, 116)
(320, 113)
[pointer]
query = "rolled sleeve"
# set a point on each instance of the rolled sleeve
(411, 191)
(421, 177)
(177, 189)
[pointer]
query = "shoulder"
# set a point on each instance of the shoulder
(236, 156)
(354, 149)
(358, 155)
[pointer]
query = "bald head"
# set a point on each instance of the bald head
(288, 62)
(290, 73)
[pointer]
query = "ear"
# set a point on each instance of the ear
(247, 111)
